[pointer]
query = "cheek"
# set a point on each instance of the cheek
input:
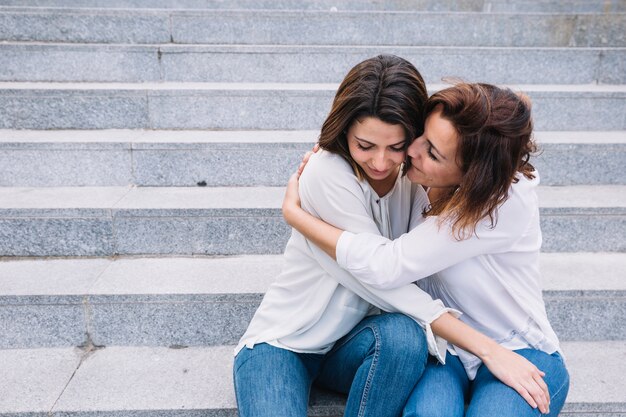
(398, 157)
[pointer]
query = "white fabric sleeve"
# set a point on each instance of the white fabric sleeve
(330, 190)
(430, 248)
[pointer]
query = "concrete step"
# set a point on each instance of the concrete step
(187, 158)
(116, 381)
(525, 6)
(266, 106)
(279, 27)
(317, 64)
(103, 221)
(202, 301)
(109, 220)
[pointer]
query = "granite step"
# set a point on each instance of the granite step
(103, 221)
(280, 27)
(155, 158)
(525, 6)
(267, 106)
(318, 64)
(142, 381)
(204, 301)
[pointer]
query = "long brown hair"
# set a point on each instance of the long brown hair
(494, 127)
(386, 87)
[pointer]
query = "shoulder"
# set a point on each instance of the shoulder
(523, 192)
(326, 167)
(326, 163)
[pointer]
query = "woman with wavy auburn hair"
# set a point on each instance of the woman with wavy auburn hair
(475, 247)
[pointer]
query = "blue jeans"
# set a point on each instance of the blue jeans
(444, 390)
(377, 364)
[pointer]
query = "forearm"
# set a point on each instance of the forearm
(464, 336)
(322, 234)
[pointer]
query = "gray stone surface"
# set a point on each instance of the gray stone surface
(573, 232)
(259, 106)
(583, 271)
(581, 164)
(195, 158)
(596, 374)
(34, 323)
(170, 321)
(247, 220)
(587, 315)
(202, 233)
(316, 64)
(24, 62)
(33, 379)
(151, 379)
(84, 26)
(27, 277)
(400, 5)
(35, 236)
(123, 63)
(524, 6)
(189, 275)
(440, 29)
(223, 109)
(141, 381)
(217, 166)
(209, 301)
(312, 27)
(63, 109)
(42, 166)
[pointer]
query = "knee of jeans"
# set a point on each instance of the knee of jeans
(401, 335)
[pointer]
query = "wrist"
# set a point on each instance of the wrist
(488, 351)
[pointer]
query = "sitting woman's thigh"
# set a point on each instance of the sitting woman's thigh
(441, 391)
(491, 398)
(273, 382)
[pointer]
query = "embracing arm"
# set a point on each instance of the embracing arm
(322, 234)
(511, 368)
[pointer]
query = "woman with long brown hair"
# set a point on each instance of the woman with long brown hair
(476, 248)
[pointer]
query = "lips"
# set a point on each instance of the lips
(379, 173)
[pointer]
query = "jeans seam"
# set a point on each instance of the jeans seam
(372, 370)
(566, 382)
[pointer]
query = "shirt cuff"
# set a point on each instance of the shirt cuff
(341, 251)
(437, 345)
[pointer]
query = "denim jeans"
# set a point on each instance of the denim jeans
(444, 390)
(377, 364)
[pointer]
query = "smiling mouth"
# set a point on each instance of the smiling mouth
(379, 172)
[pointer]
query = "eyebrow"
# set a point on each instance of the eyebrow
(373, 144)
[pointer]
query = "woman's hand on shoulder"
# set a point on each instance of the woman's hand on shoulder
(520, 374)
(291, 201)
(305, 159)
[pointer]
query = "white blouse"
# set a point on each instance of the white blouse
(314, 302)
(493, 276)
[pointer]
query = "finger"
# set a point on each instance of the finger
(525, 395)
(542, 384)
(539, 398)
(316, 147)
(538, 395)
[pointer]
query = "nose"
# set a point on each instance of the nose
(378, 160)
(413, 149)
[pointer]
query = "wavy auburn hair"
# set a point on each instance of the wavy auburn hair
(386, 87)
(494, 127)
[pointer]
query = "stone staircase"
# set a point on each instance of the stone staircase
(143, 150)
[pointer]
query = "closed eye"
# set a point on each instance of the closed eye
(431, 155)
